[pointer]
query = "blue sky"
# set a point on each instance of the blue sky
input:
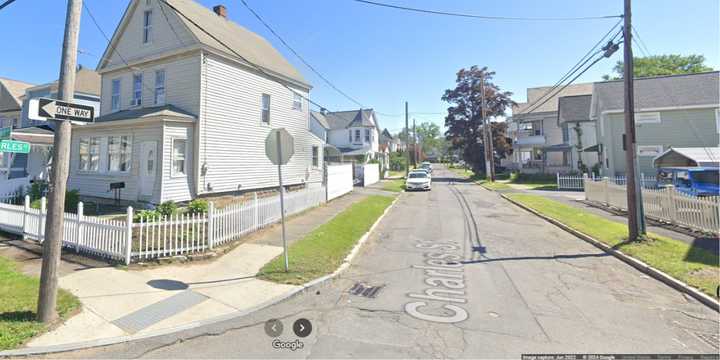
(383, 57)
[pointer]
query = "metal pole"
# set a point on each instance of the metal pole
(282, 201)
(47, 297)
(636, 218)
(407, 142)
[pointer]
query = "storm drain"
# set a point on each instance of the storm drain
(365, 290)
(159, 311)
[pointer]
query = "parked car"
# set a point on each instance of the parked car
(699, 181)
(418, 180)
(422, 170)
(426, 165)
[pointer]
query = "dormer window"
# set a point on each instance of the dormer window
(137, 90)
(147, 26)
(115, 95)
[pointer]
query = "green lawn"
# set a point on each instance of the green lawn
(694, 266)
(322, 251)
(397, 185)
(494, 185)
(393, 173)
(18, 303)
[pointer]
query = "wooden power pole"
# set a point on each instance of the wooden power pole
(407, 142)
(636, 217)
(487, 134)
(52, 244)
(415, 145)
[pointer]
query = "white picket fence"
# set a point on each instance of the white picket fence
(153, 238)
(667, 204)
(576, 182)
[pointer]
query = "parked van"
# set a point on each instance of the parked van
(698, 181)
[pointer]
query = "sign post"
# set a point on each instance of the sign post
(279, 148)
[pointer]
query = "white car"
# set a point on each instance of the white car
(418, 180)
(421, 170)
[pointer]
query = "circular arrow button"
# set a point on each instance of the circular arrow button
(273, 327)
(302, 327)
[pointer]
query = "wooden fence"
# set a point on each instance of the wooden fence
(147, 238)
(667, 204)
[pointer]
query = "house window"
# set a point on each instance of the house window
(147, 26)
(115, 95)
(178, 157)
(357, 136)
(137, 90)
(297, 101)
(159, 87)
(367, 135)
(315, 156)
(89, 154)
(119, 153)
(647, 118)
(265, 108)
(649, 150)
(565, 134)
(350, 135)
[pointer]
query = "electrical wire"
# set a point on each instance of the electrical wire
(484, 17)
(639, 42)
(6, 3)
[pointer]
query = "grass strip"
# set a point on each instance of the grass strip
(394, 185)
(18, 303)
(695, 266)
(323, 250)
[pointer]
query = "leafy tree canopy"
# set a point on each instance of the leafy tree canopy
(658, 65)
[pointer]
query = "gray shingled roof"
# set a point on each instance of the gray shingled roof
(352, 118)
(534, 95)
(164, 110)
(574, 108)
(659, 92)
(320, 118)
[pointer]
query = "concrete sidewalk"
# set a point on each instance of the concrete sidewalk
(118, 302)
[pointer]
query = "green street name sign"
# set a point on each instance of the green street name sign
(14, 146)
(5, 133)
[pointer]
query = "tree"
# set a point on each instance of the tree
(662, 65)
(464, 122)
(429, 134)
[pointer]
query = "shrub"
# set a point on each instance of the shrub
(72, 198)
(146, 215)
(167, 208)
(37, 190)
(198, 206)
(397, 161)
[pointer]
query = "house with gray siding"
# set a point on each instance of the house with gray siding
(678, 111)
(578, 132)
(183, 116)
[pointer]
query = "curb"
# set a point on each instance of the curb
(643, 267)
(122, 339)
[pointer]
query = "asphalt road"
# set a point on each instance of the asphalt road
(463, 274)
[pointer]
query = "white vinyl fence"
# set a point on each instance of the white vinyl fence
(668, 204)
(339, 180)
(576, 182)
(371, 174)
(127, 240)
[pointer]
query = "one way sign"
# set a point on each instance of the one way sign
(44, 109)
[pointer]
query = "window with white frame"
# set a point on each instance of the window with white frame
(350, 135)
(647, 118)
(367, 135)
(178, 156)
(297, 101)
(147, 26)
(159, 87)
(115, 95)
(315, 156)
(357, 135)
(89, 154)
(649, 150)
(265, 107)
(137, 90)
(119, 153)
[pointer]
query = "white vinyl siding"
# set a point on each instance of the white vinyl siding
(177, 186)
(647, 118)
(137, 90)
(159, 87)
(115, 95)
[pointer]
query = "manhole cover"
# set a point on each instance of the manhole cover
(365, 290)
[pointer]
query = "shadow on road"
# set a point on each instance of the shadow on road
(523, 258)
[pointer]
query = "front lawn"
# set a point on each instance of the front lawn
(322, 251)
(397, 185)
(694, 266)
(18, 303)
(494, 185)
(393, 173)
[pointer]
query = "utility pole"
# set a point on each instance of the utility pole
(636, 216)
(52, 245)
(407, 143)
(487, 132)
(415, 144)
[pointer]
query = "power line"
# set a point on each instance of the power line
(8, 2)
(300, 56)
(640, 42)
(485, 17)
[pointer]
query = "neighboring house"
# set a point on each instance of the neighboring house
(538, 143)
(679, 111)
(578, 131)
(355, 133)
(185, 116)
(11, 94)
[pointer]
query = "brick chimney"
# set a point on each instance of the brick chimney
(221, 10)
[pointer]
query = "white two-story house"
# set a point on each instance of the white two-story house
(355, 133)
(188, 98)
